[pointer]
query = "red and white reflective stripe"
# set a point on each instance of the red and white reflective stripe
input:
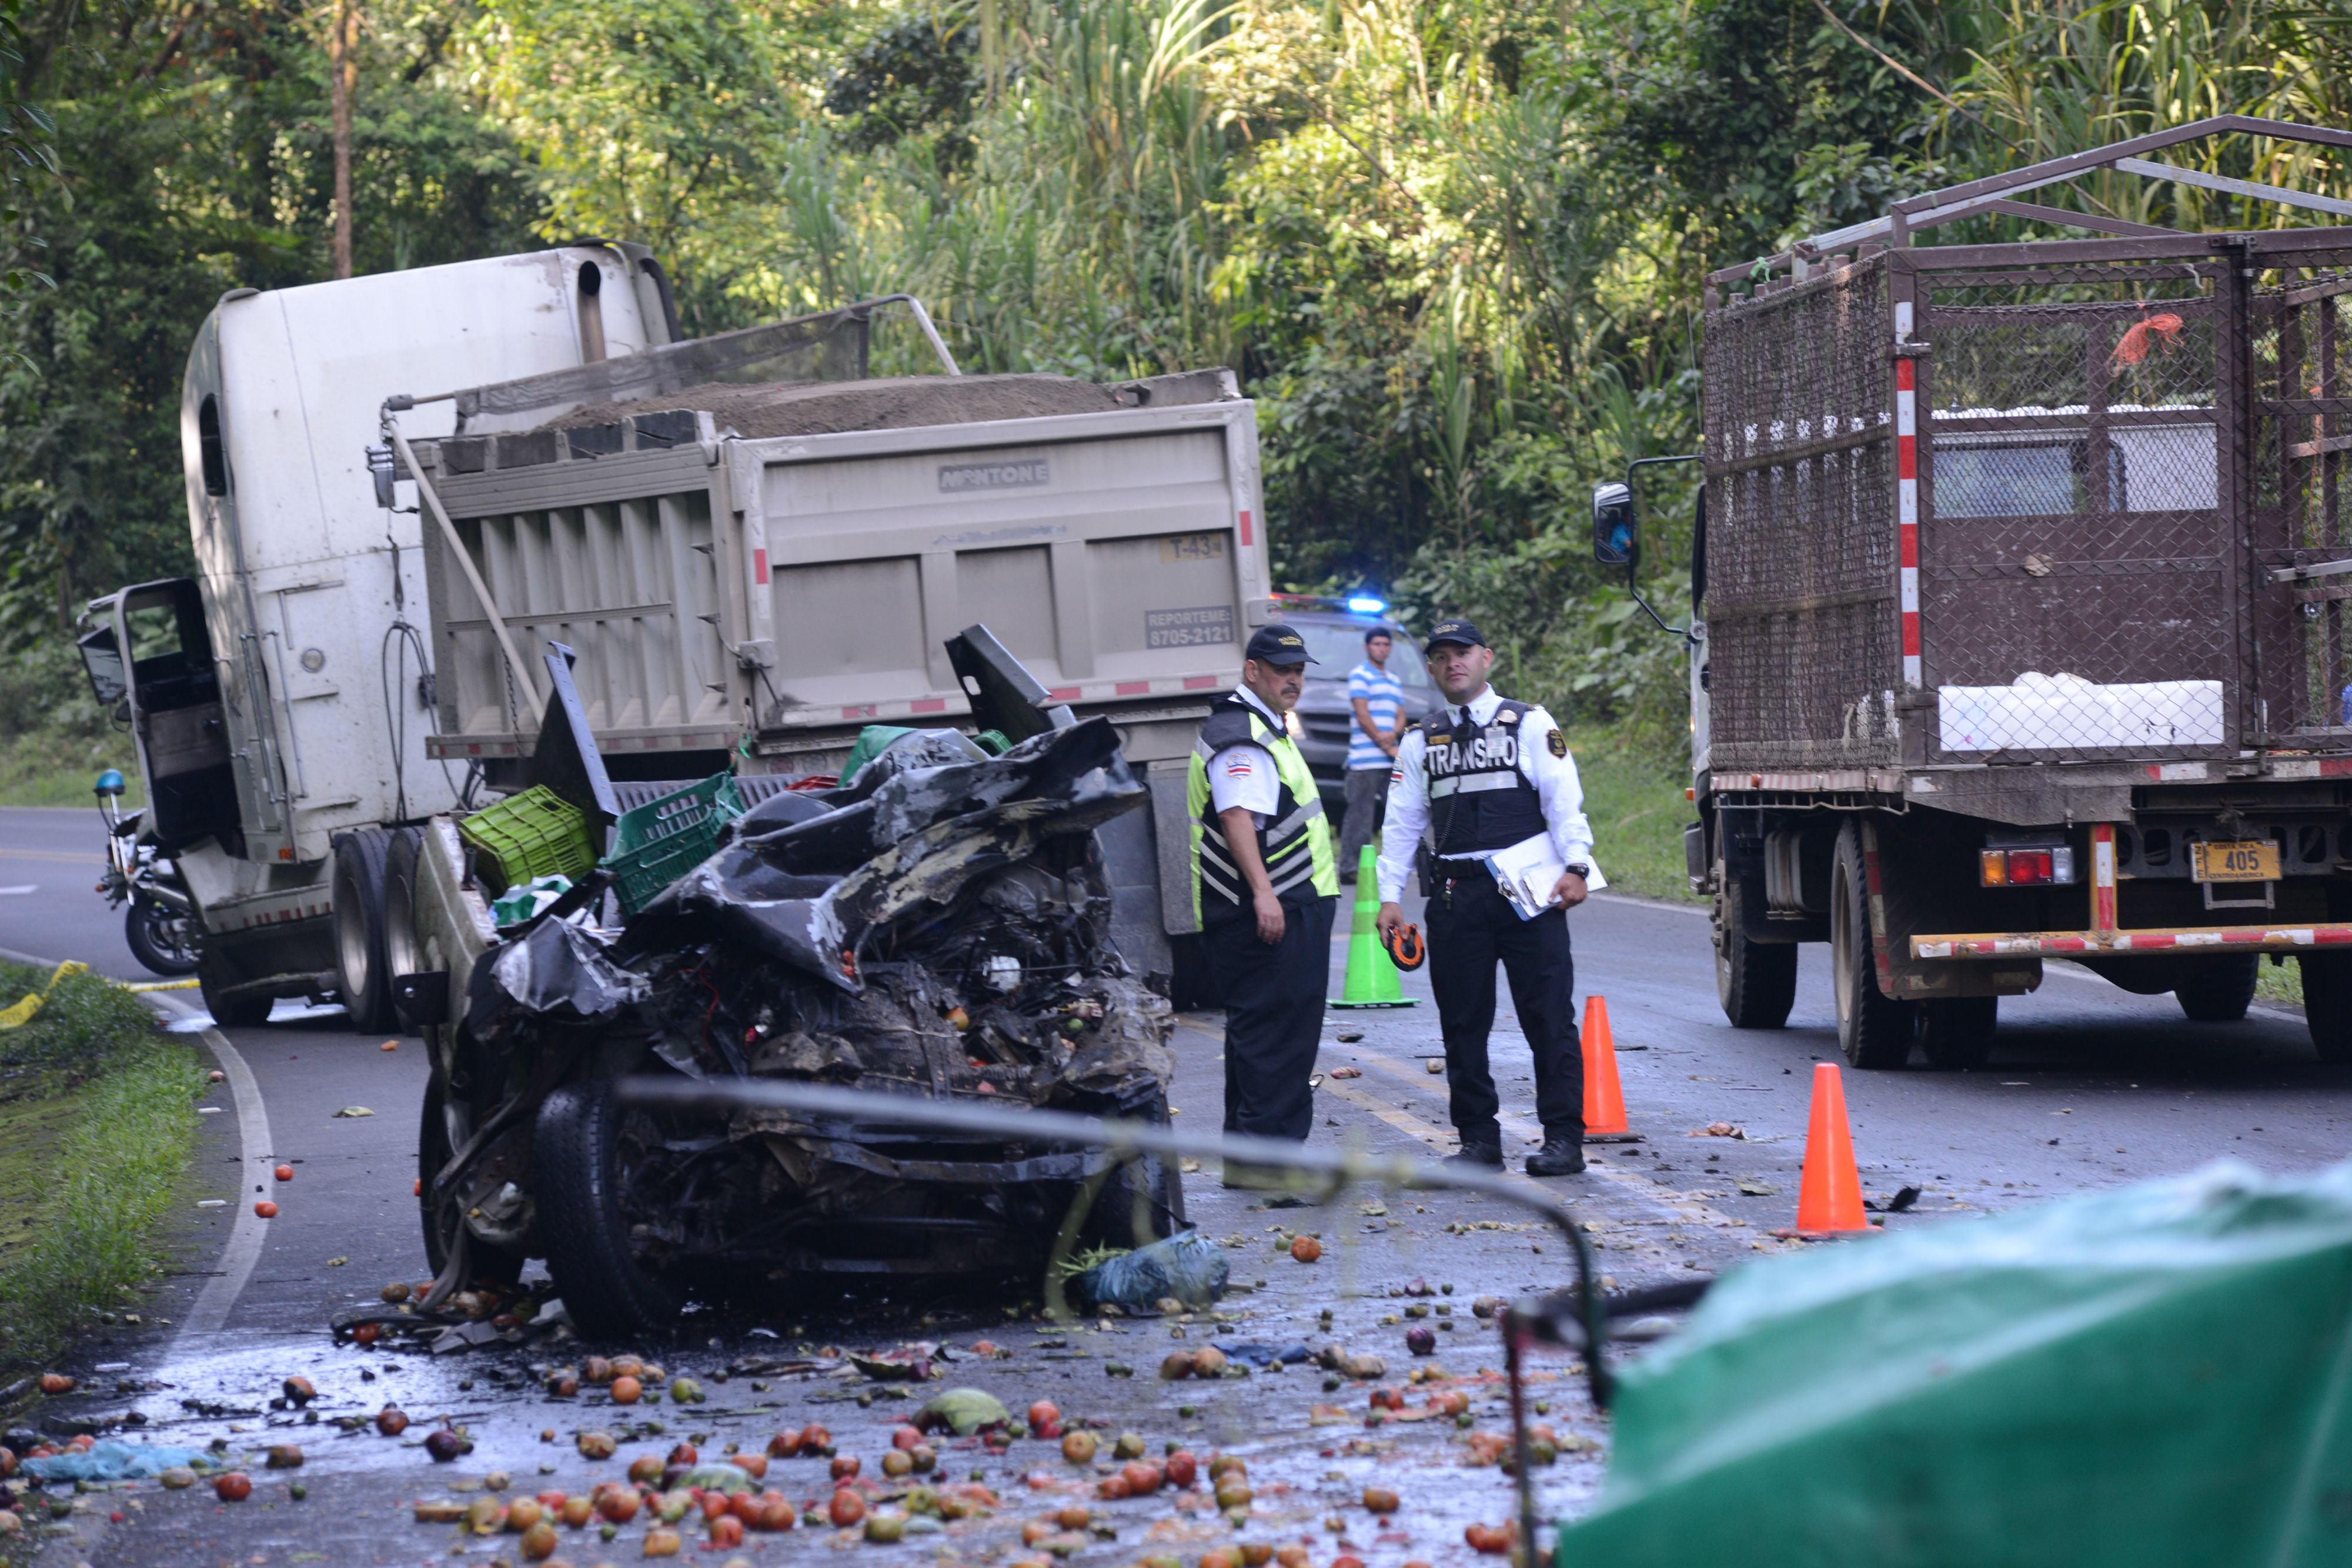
(2103, 876)
(1906, 500)
(2061, 944)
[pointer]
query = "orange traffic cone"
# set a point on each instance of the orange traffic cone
(1604, 1099)
(1829, 1199)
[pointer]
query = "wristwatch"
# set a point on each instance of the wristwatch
(1583, 871)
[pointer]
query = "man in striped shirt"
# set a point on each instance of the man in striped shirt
(1378, 698)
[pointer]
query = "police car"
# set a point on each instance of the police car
(1334, 630)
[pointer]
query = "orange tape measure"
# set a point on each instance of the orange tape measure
(1405, 948)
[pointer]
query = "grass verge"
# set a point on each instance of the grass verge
(95, 1133)
(56, 767)
(1635, 805)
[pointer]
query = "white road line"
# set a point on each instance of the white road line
(213, 1303)
(1640, 902)
(19, 892)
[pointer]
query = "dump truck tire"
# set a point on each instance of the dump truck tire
(576, 1180)
(2218, 990)
(1874, 1031)
(356, 911)
(214, 976)
(403, 951)
(1957, 1032)
(1755, 982)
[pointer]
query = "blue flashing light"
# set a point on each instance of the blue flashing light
(1363, 604)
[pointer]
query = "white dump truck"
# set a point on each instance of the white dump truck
(752, 570)
(279, 698)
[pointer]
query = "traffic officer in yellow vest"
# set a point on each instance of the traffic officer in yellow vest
(1496, 779)
(1265, 882)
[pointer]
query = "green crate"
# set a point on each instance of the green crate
(535, 833)
(662, 840)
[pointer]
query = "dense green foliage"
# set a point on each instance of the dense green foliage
(1451, 247)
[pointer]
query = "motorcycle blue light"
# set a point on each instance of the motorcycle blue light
(1363, 606)
(108, 782)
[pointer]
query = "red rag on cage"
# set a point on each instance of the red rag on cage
(2143, 335)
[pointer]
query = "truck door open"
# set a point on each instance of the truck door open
(162, 653)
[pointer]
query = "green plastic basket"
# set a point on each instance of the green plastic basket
(662, 840)
(535, 833)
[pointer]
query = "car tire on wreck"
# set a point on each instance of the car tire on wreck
(1112, 1220)
(439, 1134)
(573, 1175)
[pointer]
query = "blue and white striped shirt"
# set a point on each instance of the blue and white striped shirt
(1385, 696)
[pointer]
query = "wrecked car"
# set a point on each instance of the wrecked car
(936, 926)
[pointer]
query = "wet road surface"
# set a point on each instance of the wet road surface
(2089, 1086)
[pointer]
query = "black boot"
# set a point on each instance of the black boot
(1487, 1156)
(1562, 1155)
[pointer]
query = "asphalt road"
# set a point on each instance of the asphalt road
(2089, 1087)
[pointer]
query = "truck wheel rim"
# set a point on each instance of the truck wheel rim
(351, 939)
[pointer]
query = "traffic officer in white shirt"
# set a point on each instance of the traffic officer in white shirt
(1495, 775)
(1265, 883)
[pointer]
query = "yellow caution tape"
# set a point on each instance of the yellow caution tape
(20, 1014)
(187, 985)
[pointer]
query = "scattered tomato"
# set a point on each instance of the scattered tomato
(626, 1390)
(727, 1531)
(663, 1542)
(1113, 1487)
(539, 1543)
(524, 1512)
(618, 1505)
(1079, 1448)
(577, 1511)
(898, 1463)
(55, 1383)
(268, 1210)
(284, 1172)
(285, 1457)
(392, 1421)
(815, 1440)
(1044, 1412)
(234, 1487)
(1381, 1499)
(776, 1512)
(785, 1443)
(1292, 1557)
(595, 1444)
(1183, 1469)
(905, 1437)
(645, 1469)
(845, 1508)
(844, 1466)
(1306, 1249)
(366, 1333)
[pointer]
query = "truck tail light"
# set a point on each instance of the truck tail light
(2036, 867)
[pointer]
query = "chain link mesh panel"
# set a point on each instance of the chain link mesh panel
(1803, 640)
(2301, 372)
(2078, 594)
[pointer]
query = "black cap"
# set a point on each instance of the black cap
(1276, 643)
(1456, 631)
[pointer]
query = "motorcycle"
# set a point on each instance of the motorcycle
(160, 924)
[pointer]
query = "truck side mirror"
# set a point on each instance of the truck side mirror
(1614, 530)
(102, 661)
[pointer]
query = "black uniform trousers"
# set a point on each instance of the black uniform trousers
(1469, 929)
(1274, 1010)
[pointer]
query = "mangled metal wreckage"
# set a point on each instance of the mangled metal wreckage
(939, 927)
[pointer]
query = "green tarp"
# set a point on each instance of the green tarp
(2159, 1375)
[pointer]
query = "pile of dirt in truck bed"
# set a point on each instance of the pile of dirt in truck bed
(825, 408)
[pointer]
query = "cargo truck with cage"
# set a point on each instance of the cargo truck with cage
(2021, 581)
